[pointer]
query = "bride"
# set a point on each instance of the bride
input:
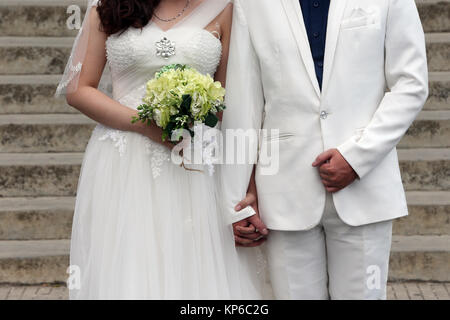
(143, 227)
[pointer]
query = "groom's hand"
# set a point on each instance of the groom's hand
(250, 232)
(335, 172)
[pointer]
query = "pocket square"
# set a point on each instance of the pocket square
(359, 13)
(359, 17)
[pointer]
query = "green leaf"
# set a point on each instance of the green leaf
(185, 106)
(211, 120)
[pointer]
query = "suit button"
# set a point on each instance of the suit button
(324, 115)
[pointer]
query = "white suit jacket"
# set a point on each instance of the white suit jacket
(374, 85)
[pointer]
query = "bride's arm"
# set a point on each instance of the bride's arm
(224, 22)
(95, 104)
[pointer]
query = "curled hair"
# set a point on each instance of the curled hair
(119, 15)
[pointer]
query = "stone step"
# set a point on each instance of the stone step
(38, 17)
(439, 91)
(47, 174)
(45, 133)
(32, 94)
(425, 169)
(429, 214)
(48, 17)
(34, 55)
(35, 94)
(424, 258)
(36, 218)
(38, 133)
(37, 174)
(48, 55)
(434, 15)
(51, 217)
(32, 262)
(438, 51)
(430, 130)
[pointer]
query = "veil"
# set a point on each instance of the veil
(69, 81)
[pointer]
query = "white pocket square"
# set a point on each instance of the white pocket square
(358, 13)
(360, 17)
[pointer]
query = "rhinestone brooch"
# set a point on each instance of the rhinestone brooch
(165, 48)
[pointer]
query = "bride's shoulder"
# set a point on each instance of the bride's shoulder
(225, 16)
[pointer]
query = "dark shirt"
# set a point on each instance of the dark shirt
(315, 15)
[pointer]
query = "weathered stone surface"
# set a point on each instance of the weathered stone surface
(435, 16)
(424, 220)
(31, 262)
(439, 89)
(438, 56)
(430, 130)
(36, 218)
(422, 258)
(38, 19)
(425, 169)
(33, 60)
(44, 137)
(424, 266)
(426, 175)
(24, 175)
(42, 180)
(31, 98)
(45, 269)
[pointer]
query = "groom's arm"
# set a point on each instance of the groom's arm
(245, 103)
(407, 79)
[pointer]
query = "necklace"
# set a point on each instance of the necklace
(188, 3)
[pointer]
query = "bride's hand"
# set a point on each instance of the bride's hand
(154, 133)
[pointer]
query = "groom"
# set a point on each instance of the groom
(342, 81)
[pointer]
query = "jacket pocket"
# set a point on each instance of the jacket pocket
(279, 137)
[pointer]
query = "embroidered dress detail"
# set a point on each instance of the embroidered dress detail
(117, 136)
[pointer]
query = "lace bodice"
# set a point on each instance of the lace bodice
(198, 48)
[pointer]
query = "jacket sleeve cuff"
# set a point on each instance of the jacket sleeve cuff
(243, 214)
(349, 150)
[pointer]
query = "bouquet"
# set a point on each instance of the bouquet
(179, 97)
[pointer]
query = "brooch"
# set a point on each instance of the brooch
(165, 48)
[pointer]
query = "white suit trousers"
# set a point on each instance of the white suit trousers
(331, 261)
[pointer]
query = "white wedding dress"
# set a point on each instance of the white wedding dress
(145, 228)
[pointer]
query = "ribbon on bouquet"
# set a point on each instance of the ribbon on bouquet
(206, 143)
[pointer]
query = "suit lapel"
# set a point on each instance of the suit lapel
(295, 17)
(337, 8)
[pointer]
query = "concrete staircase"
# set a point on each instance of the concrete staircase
(42, 142)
